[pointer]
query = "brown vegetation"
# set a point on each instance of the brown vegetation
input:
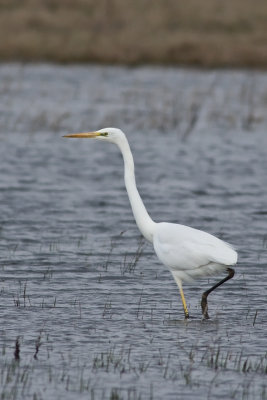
(205, 33)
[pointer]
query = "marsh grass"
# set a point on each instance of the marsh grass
(110, 329)
(229, 33)
(216, 358)
(17, 375)
(130, 261)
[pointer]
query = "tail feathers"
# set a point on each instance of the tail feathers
(192, 274)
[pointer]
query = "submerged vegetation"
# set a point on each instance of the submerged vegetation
(88, 312)
(39, 367)
(190, 371)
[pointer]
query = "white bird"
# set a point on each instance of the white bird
(187, 252)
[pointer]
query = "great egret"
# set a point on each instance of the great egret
(188, 253)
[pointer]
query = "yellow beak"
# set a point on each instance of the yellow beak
(83, 135)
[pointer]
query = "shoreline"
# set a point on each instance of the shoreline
(207, 35)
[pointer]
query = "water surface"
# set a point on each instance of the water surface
(78, 283)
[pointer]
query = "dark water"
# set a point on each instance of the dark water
(79, 288)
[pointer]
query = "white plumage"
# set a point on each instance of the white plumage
(188, 253)
(200, 254)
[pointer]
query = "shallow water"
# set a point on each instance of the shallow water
(75, 272)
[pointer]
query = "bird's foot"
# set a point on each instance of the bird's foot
(186, 316)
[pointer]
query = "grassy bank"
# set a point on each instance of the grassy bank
(208, 33)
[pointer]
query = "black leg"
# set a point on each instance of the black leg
(204, 302)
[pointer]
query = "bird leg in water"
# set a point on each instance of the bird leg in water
(186, 313)
(204, 302)
(179, 283)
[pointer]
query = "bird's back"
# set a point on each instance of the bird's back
(191, 253)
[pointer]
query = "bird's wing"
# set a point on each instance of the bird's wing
(183, 248)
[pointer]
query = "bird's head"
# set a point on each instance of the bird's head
(113, 135)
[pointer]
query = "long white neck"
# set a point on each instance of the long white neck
(144, 222)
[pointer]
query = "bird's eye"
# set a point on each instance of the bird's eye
(104, 134)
